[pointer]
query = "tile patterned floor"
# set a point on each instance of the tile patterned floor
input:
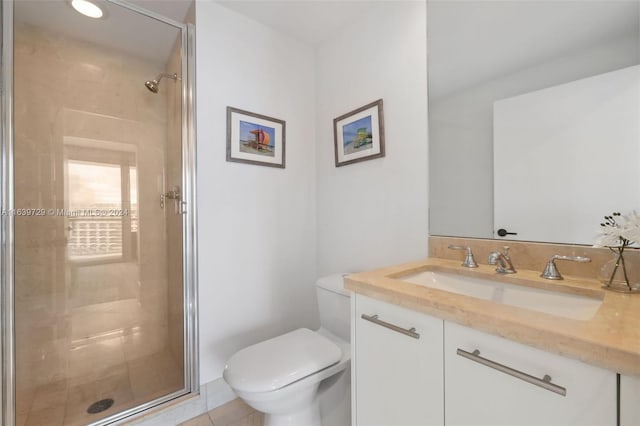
(111, 340)
(128, 383)
(234, 413)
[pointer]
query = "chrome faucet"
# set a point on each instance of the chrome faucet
(469, 260)
(502, 260)
(551, 271)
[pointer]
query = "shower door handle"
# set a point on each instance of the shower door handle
(172, 195)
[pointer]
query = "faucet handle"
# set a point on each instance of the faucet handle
(502, 260)
(494, 255)
(551, 270)
(469, 260)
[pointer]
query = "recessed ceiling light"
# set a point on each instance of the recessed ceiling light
(87, 8)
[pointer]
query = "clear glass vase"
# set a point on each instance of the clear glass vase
(618, 274)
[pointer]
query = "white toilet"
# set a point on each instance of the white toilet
(301, 378)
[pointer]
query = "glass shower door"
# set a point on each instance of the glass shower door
(98, 224)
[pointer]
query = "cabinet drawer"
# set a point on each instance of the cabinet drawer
(505, 384)
(395, 319)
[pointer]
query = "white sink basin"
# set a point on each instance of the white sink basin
(549, 302)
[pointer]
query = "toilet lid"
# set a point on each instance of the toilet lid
(278, 362)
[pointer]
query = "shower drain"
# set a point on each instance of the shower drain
(99, 406)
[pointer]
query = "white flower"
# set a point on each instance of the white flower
(619, 231)
(630, 229)
(610, 237)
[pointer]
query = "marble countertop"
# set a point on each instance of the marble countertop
(610, 339)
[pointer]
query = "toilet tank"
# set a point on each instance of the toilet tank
(334, 305)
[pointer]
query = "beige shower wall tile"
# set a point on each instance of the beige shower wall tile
(86, 72)
(86, 124)
(86, 96)
(95, 94)
(31, 50)
(27, 114)
(173, 157)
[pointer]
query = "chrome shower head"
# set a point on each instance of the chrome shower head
(154, 84)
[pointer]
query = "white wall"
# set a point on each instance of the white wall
(256, 224)
(374, 213)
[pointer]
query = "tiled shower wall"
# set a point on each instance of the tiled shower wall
(174, 221)
(70, 88)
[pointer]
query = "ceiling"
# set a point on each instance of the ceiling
(470, 42)
(483, 39)
(120, 29)
(309, 21)
(489, 38)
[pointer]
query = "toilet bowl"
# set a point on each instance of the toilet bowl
(289, 377)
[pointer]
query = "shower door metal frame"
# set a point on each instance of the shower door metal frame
(6, 221)
(189, 223)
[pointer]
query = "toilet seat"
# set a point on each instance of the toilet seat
(278, 362)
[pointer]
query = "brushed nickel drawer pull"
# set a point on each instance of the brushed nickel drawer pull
(374, 319)
(544, 383)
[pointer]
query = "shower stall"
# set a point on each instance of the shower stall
(98, 295)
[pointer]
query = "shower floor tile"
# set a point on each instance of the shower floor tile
(49, 396)
(145, 377)
(65, 402)
(89, 362)
(52, 416)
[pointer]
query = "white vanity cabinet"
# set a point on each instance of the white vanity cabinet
(397, 371)
(457, 376)
(481, 388)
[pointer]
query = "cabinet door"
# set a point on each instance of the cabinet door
(478, 394)
(629, 398)
(398, 378)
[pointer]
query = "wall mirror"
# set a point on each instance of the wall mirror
(533, 117)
